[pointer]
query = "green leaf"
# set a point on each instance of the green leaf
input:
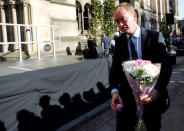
(104, 14)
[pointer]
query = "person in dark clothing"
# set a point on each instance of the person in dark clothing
(112, 42)
(91, 41)
(91, 53)
(150, 45)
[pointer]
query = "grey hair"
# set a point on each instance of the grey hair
(125, 5)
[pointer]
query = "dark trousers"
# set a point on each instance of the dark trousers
(152, 117)
(127, 120)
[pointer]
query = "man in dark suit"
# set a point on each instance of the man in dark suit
(149, 45)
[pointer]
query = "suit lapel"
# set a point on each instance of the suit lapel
(143, 42)
(124, 41)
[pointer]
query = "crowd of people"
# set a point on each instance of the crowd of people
(177, 40)
(105, 47)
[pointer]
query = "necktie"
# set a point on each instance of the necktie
(132, 47)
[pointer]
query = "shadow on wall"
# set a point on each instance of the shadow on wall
(55, 116)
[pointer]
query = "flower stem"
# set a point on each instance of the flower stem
(139, 126)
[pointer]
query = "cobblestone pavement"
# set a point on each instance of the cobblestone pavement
(172, 120)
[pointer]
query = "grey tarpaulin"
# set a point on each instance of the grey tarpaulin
(23, 90)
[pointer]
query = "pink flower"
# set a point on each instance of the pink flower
(146, 62)
(136, 63)
(140, 62)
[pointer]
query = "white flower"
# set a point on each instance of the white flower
(142, 70)
(151, 70)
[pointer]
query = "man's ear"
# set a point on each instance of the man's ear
(135, 16)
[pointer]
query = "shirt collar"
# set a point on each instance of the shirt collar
(136, 33)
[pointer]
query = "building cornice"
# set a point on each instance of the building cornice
(13, 2)
(70, 38)
(64, 20)
(61, 2)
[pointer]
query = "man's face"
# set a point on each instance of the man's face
(126, 21)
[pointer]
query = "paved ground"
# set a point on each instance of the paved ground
(13, 67)
(172, 119)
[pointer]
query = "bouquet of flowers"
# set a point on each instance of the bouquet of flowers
(142, 76)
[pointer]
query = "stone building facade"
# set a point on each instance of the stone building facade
(41, 13)
(13, 12)
(72, 17)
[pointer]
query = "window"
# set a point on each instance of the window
(142, 21)
(79, 16)
(137, 16)
(86, 17)
(120, 1)
(153, 6)
(153, 24)
(9, 29)
(170, 6)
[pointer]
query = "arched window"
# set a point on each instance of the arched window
(153, 24)
(79, 16)
(142, 21)
(86, 17)
(153, 6)
(9, 29)
(120, 1)
(170, 6)
(137, 16)
(19, 13)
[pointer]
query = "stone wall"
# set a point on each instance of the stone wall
(60, 13)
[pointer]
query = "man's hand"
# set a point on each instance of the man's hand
(116, 99)
(148, 98)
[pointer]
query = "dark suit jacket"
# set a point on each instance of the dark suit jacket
(153, 49)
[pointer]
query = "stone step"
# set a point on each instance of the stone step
(12, 56)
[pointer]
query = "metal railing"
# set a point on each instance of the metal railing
(30, 34)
